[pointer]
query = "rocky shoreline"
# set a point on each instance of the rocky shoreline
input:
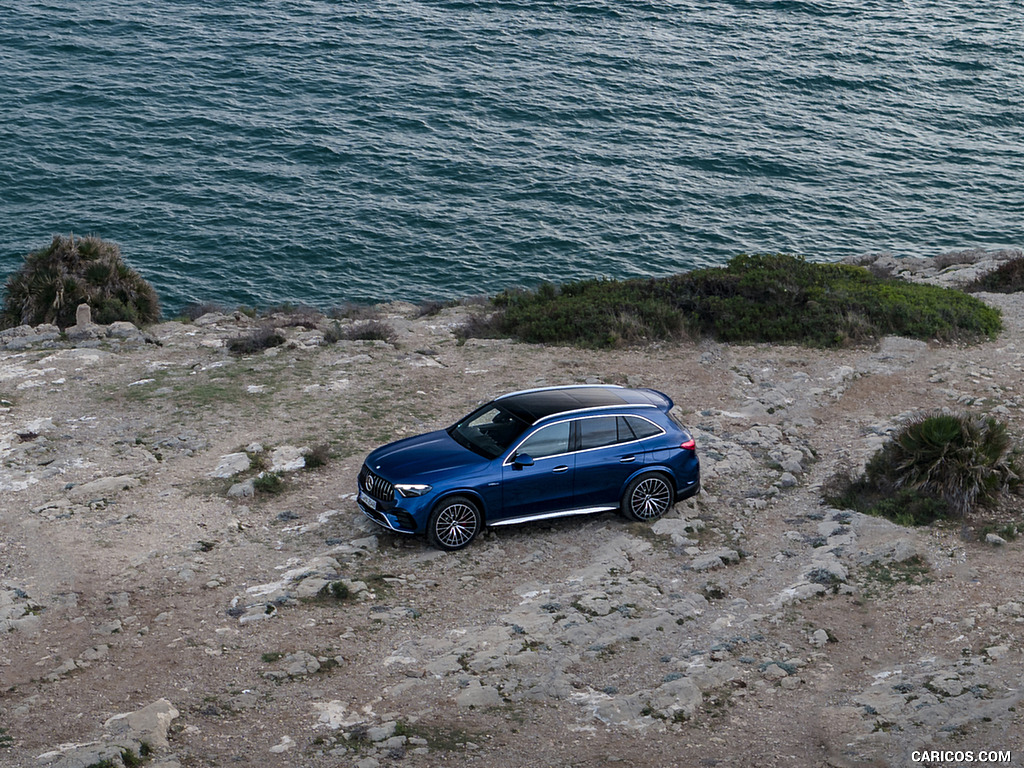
(158, 597)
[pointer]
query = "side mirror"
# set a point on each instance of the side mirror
(522, 460)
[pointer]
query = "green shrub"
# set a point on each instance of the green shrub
(905, 507)
(268, 482)
(1006, 278)
(779, 298)
(53, 281)
(591, 313)
(336, 589)
(936, 466)
(765, 298)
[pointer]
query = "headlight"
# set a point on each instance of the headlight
(412, 489)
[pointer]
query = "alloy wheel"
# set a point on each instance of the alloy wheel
(650, 499)
(456, 525)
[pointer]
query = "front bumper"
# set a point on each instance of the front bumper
(394, 519)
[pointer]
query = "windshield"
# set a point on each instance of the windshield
(489, 430)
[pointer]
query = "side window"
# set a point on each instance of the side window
(625, 433)
(595, 433)
(547, 441)
(642, 427)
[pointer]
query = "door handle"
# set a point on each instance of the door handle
(627, 459)
(560, 469)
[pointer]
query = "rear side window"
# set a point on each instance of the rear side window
(611, 430)
(642, 427)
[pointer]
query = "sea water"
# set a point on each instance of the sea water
(324, 151)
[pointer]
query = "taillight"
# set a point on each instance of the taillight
(689, 445)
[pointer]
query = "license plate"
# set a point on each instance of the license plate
(367, 500)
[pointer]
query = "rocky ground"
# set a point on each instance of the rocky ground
(159, 599)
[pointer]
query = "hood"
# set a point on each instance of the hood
(421, 456)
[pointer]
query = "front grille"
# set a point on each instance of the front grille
(375, 485)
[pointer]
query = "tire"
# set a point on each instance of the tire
(648, 497)
(454, 523)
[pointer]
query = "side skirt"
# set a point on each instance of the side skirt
(549, 515)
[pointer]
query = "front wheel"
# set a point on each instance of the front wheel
(454, 523)
(648, 497)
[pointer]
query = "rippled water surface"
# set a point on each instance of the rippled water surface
(318, 152)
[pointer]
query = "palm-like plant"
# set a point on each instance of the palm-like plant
(963, 459)
(55, 280)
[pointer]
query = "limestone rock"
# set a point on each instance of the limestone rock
(242, 490)
(148, 725)
(231, 464)
(478, 696)
(301, 664)
(287, 458)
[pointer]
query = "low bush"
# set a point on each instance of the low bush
(294, 316)
(432, 307)
(371, 330)
(53, 281)
(479, 327)
(1008, 277)
(936, 466)
(268, 482)
(317, 456)
(765, 298)
(260, 338)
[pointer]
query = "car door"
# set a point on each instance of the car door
(543, 486)
(608, 453)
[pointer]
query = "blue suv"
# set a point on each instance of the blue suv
(532, 455)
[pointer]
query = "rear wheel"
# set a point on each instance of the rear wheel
(648, 497)
(454, 523)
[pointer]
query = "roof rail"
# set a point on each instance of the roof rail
(564, 386)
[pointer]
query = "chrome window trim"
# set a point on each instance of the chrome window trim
(662, 431)
(628, 406)
(628, 442)
(509, 462)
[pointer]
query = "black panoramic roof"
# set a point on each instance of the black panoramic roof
(533, 405)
